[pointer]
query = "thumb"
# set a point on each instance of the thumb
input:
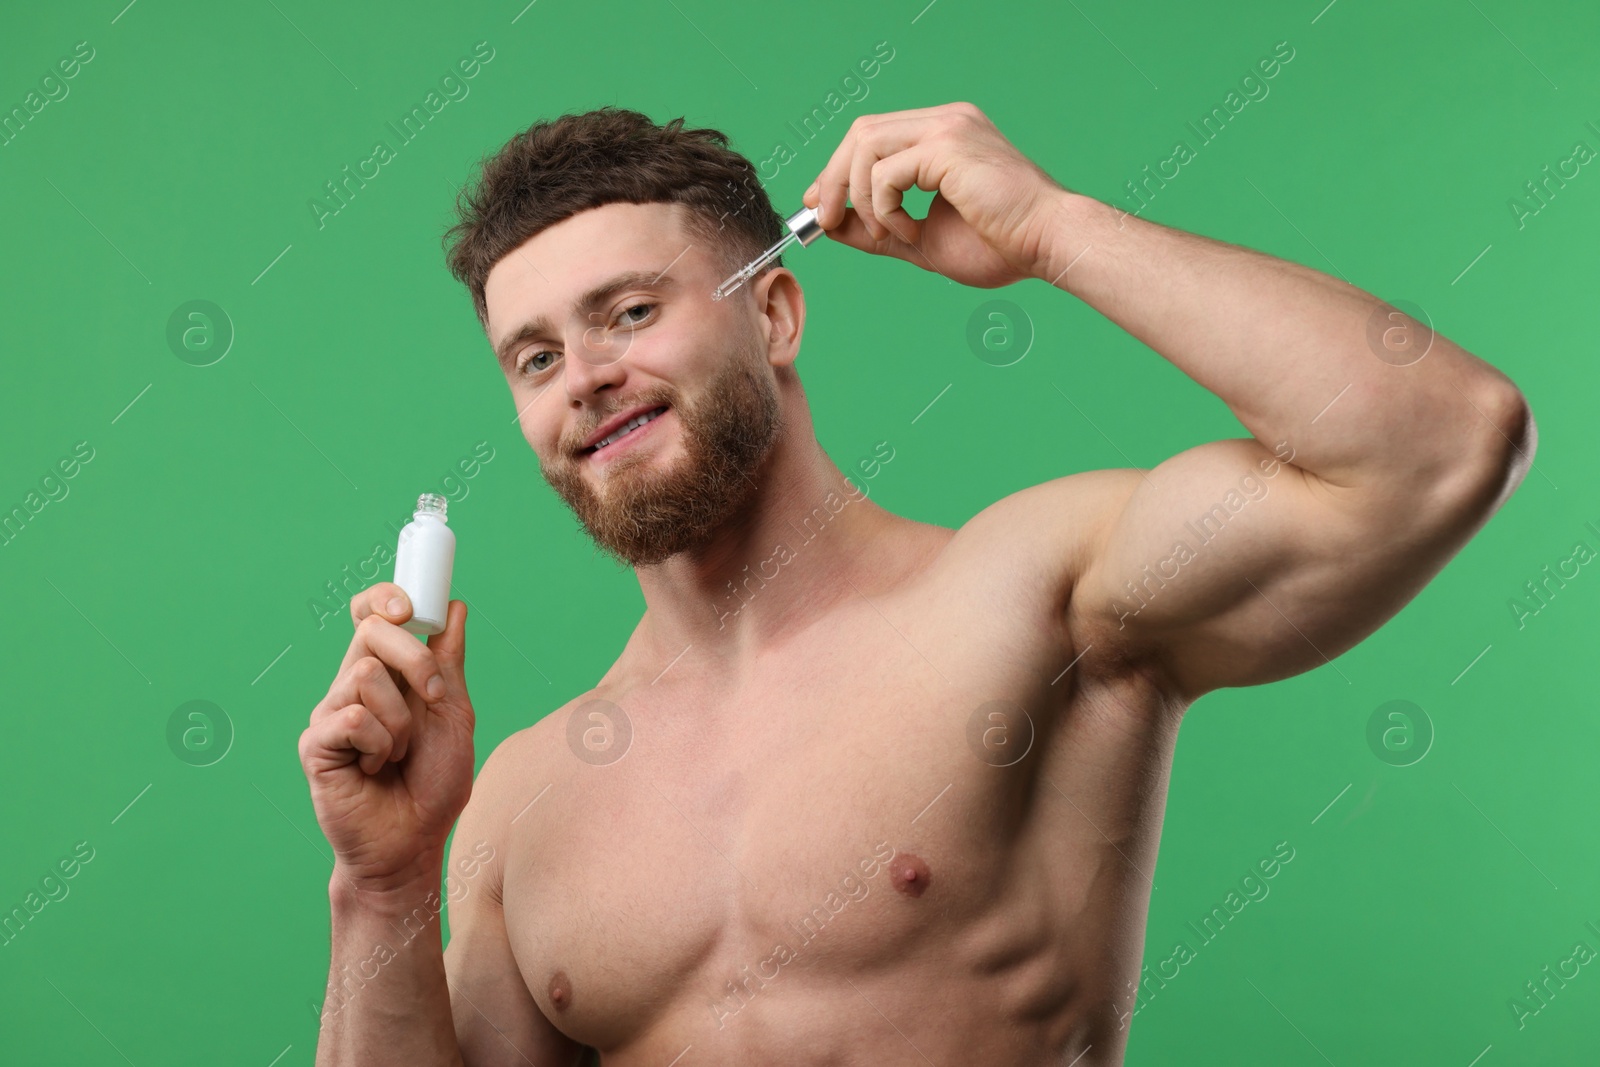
(450, 646)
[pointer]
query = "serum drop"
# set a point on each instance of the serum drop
(422, 565)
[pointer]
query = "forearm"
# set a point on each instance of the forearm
(387, 999)
(1289, 349)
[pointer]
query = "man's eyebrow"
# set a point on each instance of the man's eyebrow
(541, 326)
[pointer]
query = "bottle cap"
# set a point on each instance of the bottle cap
(803, 224)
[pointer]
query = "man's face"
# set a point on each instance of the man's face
(655, 343)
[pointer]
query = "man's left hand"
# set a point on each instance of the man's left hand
(991, 221)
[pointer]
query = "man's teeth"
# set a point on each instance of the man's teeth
(631, 424)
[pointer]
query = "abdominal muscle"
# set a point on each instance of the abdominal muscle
(817, 867)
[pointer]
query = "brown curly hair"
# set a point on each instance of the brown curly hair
(555, 169)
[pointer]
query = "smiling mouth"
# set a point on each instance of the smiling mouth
(627, 428)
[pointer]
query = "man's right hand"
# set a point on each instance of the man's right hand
(388, 753)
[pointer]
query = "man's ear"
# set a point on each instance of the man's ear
(782, 306)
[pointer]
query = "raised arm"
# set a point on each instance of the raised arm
(1377, 450)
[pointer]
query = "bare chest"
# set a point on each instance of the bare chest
(871, 798)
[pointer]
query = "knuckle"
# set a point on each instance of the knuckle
(361, 603)
(369, 670)
(423, 664)
(378, 591)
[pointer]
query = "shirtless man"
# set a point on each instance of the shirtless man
(900, 801)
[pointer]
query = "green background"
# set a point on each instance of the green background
(221, 498)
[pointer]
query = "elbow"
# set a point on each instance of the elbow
(1518, 435)
(1498, 454)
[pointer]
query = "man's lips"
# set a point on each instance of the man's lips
(612, 425)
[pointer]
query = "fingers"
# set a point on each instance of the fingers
(860, 186)
(415, 661)
(848, 173)
(384, 598)
(833, 184)
(919, 165)
(353, 734)
(853, 232)
(376, 691)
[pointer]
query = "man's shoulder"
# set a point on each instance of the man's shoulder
(522, 756)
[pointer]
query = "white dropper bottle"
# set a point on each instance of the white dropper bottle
(422, 564)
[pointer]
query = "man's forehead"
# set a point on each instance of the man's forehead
(563, 260)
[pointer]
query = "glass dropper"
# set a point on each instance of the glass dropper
(803, 227)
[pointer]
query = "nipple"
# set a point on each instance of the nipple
(909, 875)
(560, 990)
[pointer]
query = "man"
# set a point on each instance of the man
(897, 799)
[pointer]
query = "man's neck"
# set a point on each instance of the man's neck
(789, 554)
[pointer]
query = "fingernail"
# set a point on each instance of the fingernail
(435, 687)
(396, 606)
(810, 189)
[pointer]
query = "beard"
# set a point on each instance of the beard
(644, 515)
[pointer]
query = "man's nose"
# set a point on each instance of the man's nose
(596, 362)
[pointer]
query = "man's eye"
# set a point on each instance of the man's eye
(636, 307)
(531, 363)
